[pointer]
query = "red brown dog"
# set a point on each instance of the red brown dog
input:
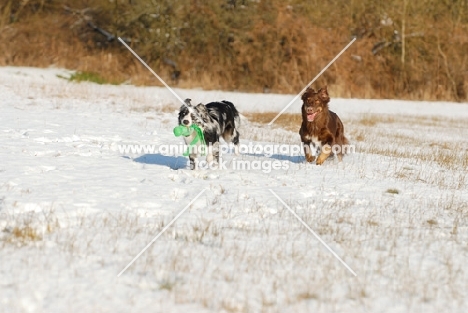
(321, 129)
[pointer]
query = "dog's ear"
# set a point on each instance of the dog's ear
(323, 90)
(188, 102)
(201, 108)
(309, 91)
(323, 93)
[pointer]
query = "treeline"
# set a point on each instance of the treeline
(411, 49)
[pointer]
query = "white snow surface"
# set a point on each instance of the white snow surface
(74, 210)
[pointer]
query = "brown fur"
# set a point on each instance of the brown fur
(326, 127)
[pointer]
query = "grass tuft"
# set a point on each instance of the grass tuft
(26, 234)
(22, 235)
(88, 77)
(393, 191)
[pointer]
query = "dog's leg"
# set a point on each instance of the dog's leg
(325, 151)
(232, 136)
(308, 155)
(212, 155)
(193, 162)
(235, 141)
(340, 156)
(215, 152)
(340, 153)
(303, 132)
(324, 154)
(338, 145)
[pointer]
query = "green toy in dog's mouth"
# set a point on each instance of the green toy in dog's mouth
(185, 131)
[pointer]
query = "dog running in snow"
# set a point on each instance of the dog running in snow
(321, 129)
(215, 119)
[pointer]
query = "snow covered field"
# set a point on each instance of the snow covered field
(74, 210)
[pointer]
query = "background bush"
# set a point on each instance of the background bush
(405, 49)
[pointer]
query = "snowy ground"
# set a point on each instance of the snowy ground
(74, 211)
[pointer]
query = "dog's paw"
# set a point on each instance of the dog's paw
(310, 158)
(322, 157)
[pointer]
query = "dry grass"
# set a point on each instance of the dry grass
(373, 119)
(287, 121)
(24, 234)
(409, 120)
(254, 47)
(416, 143)
(405, 137)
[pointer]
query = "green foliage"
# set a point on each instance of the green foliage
(88, 77)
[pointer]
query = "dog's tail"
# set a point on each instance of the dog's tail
(237, 121)
(237, 118)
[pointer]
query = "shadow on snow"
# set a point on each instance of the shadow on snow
(291, 158)
(173, 162)
(180, 162)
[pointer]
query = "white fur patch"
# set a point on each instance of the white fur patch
(316, 141)
(187, 120)
(316, 145)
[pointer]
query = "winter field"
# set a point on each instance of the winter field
(75, 209)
